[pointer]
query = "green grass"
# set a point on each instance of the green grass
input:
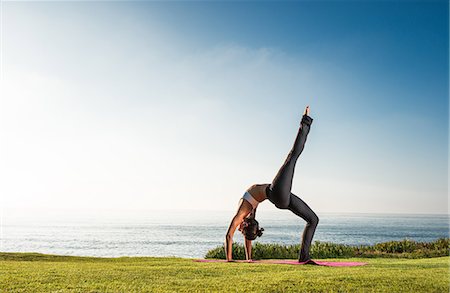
(405, 248)
(26, 272)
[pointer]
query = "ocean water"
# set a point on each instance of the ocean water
(193, 233)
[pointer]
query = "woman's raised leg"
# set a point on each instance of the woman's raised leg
(280, 189)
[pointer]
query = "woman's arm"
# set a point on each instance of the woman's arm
(244, 209)
(237, 219)
(248, 249)
(248, 243)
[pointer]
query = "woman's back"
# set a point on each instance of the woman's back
(258, 191)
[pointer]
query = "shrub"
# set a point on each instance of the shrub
(400, 249)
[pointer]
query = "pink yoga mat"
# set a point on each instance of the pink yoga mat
(292, 262)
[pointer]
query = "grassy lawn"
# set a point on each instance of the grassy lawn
(37, 273)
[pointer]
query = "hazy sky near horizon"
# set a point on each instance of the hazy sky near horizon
(184, 105)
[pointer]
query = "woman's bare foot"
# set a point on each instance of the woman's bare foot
(309, 262)
(306, 112)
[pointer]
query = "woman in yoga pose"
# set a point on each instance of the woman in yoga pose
(279, 193)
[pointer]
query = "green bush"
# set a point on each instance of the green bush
(400, 249)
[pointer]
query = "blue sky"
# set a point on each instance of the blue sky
(183, 105)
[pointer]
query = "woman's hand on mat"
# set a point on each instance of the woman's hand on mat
(306, 111)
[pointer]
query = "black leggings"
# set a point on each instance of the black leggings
(279, 192)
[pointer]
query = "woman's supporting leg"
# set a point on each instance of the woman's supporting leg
(280, 189)
(301, 209)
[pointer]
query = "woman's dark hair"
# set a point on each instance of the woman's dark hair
(251, 229)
